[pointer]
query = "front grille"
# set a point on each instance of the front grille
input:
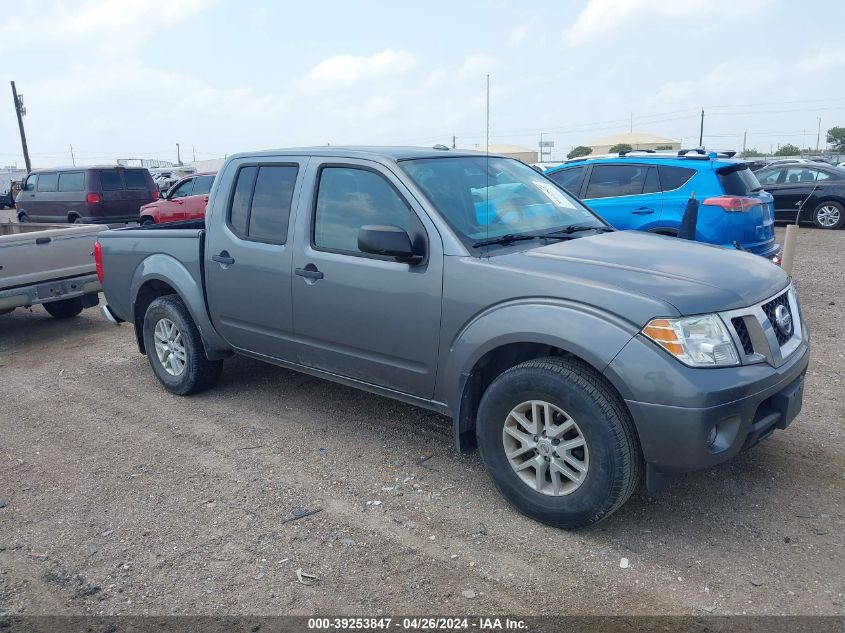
(744, 336)
(769, 309)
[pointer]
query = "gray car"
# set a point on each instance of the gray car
(574, 356)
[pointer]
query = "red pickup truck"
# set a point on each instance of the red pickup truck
(186, 200)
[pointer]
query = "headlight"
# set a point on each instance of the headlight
(697, 341)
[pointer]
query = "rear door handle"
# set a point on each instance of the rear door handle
(642, 211)
(223, 258)
(309, 272)
(42, 240)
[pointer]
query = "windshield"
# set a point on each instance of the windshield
(484, 198)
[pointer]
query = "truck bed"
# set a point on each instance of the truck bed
(36, 253)
(124, 250)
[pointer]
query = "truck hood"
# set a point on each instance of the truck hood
(692, 277)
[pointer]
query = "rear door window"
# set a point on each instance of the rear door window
(135, 179)
(110, 180)
(48, 182)
(202, 185)
(241, 199)
(609, 181)
(672, 178)
(271, 202)
(770, 177)
(72, 181)
(568, 178)
(738, 181)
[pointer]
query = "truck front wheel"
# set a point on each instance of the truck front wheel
(175, 350)
(558, 443)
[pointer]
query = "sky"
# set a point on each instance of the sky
(132, 78)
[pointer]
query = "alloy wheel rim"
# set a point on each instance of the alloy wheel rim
(170, 348)
(828, 215)
(546, 448)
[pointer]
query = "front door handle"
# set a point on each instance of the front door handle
(223, 258)
(642, 211)
(309, 272)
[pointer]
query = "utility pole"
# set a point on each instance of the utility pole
(21, 111)
(701, 130)
(454, 140)
(178, 156)
(744, 138)
(631, 126)
(72, 159)
(194, 152)
(819, 134)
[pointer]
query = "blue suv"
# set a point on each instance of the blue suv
(648, 191)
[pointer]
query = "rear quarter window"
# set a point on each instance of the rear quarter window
(135, 179)
(672, 178)
(110, 180)
(738, 181)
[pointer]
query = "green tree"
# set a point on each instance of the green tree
(620, 147)
(750, 153)
(578, 152)
(836, 138)
(788, 150)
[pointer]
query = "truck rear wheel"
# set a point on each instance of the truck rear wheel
(175, 350)
(65, 308)
(558, 443)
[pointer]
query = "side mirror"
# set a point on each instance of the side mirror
(389, 240)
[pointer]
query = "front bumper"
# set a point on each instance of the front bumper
(676, 408)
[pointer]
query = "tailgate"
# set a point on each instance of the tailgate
(31, 254)
(753, 226)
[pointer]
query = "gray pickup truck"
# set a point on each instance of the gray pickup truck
(574, 356)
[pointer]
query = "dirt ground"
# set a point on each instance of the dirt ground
(119, 498)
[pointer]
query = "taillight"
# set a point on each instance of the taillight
(156, 195)
(732, 204)
(93, 198)
(98, 261)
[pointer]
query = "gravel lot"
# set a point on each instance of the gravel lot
(118, 497)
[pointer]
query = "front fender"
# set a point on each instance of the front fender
(171, 271)
(592, 335)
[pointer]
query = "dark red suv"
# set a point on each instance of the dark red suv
(107, 194)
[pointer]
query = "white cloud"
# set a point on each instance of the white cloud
(476, 65)
(98, 19)
(824, 60)
(518, 35)
(345, 71)
(601, 18)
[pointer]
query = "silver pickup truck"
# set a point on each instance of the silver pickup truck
(48, 264)
(572, 355)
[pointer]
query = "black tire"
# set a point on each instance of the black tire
(819, 211)
(199, 373)
(23, 217)
(146, 221)
(64, 309)
(76, 220)
(615, 459)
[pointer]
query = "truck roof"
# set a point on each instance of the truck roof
(395, 153)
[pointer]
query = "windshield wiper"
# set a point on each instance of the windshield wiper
(574, 228)
(504, 239)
